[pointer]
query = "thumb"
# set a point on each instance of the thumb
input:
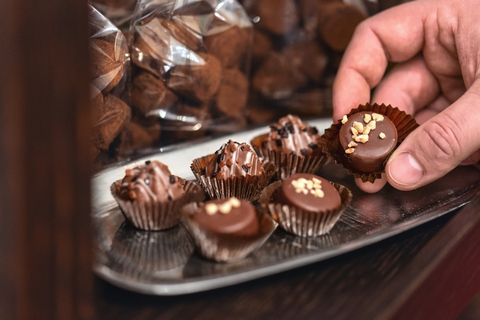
(438, 145)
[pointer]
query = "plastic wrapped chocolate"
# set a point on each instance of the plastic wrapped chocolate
(297, 46)
(191, 61)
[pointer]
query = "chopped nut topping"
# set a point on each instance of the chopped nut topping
(366, 131)
(344, 119)
(354, 131)
(235, 202)
(211, 209)
(352, 144)
(358, 126)
(362, 138)
(367, 118)
(377, 117)
(382, 135)
(305, 186)
(349, 151)
(372, 125)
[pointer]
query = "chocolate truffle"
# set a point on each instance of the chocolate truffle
(138, 136)
(234, 159)
(290, 135)
(277, 16)
(149, 93)
(108, 61)
(367, 139)
(262, 46)
(110, 119)
(309, 57)
(308, 192)
(230, 46)
(337, 22)
(197, 80)
(233, 93)
(228, 216)
(278, 78)
(151, 182)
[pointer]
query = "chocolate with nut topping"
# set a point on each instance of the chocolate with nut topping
(234, 159)
(367, 139)
(308, 192)
(228, 216)
(150, 182)
(292, 135)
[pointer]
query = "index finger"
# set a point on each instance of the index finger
(396, 35)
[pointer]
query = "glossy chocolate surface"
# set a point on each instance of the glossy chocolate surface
(369, 156)
(228, 216)
(234, 159)
(150, 182)
(292, 135)
(309, 192)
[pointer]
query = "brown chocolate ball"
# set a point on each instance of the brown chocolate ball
(230, 46)
(262, 47)
(136, 136)
(309, 57)
(198, 81)
(110, 119)
(150, 93)
(108, 63)
(278, 77)
(337, 22)
(277, 16)
(233, 93)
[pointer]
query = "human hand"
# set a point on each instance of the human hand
(436, 44)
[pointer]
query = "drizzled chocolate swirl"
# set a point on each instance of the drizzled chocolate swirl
(234, 159)
(150, 182)
(291, 135)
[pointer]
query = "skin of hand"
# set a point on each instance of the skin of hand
(436, 47)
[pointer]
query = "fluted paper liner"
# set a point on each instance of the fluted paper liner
(244, 187)
(142, 253)
(300, 222)
(288, 164)
(403, 122)
(227, 248)
(153, 216)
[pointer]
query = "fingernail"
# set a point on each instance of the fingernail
(404, 169)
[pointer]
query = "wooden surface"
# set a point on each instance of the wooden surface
(45, 252)
(430, 272)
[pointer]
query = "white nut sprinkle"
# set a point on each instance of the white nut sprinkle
(352, 144)
(225, 208)
(362, 138)
(235, 202)
(358, 126)
(349, 151)
(382, 135)
(377, 117)
(371, 125)
(305, 191)
(344, 119)
(354, 131)
(315, 180)
(211, 209)
(367, 118)
(319, 193)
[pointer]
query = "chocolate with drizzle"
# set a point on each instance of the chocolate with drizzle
(234, 159)
(150, 182)
(291, 135)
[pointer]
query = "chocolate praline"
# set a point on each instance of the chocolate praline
(228, 216)
(368, 156)
(308, 192)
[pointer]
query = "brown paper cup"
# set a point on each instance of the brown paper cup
(227, 248)
(152, 216)
(404, 123)
(246, 188)
(287, 165)
(299, 222)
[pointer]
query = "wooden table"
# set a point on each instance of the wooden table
(430, 272)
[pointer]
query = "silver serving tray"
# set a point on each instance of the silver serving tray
(166, 263)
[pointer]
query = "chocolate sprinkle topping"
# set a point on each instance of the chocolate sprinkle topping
(293, 153)
(148, 162)
(244, 167)
(313, 130)
(169, 198)
(242, 148)
(279, 142)
(290, 127)
(312, 146)
(304, 152)
(172, 179)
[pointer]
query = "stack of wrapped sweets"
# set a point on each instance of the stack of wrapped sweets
(296, 51)
(191, 60)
